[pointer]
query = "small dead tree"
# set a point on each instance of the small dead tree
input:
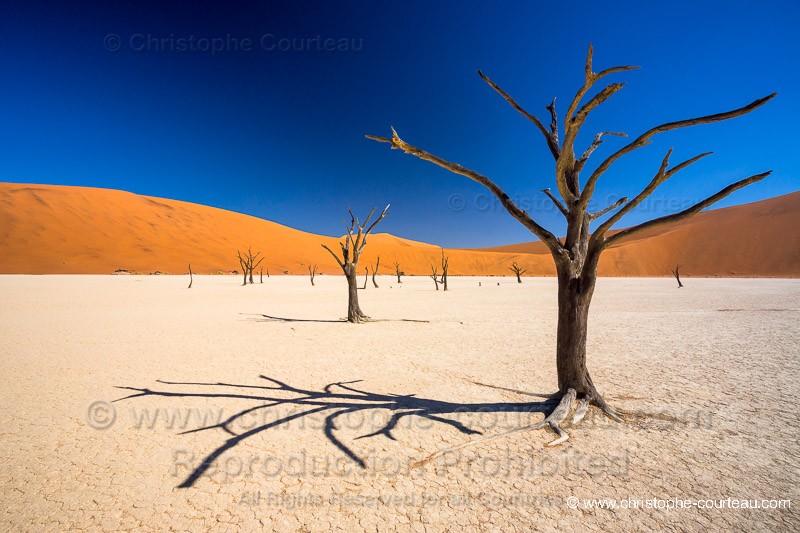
(516, 269)
(435, 275)
(397, 271)
(353, 245)
(261, 275)
(249, 262)
(366, 278)
(677, 273)
(375, 271)
(445, 265)
(245, 268)
(312, 271)
(190, 277)
(576, 256)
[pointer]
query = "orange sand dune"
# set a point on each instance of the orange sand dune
(65, 230)
(759, 239)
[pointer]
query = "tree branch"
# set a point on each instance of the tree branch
(686, 213)
(522, 216)
(593, 216)
(645, 137)
(595, 143)
(552, 141)
(661, 176)
(334, 255)
(556, 201)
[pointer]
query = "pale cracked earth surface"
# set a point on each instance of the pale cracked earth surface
(713, 369)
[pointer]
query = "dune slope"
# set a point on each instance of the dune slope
(78, 230)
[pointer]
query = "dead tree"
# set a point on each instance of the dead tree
(516, 269)
(190, 277)
(435, 275)
(397, 271)
(375, 271)
(352, 247)
(366, 278)
(677, 274)
(249, 262)
(445, 265)
(312, 271)
(576, 256)
(261, 275)
(245, 268)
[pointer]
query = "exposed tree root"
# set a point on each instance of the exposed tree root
(554, 420)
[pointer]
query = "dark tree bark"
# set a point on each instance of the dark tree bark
(352, 247)
(261, 276)
(516, 269)
(366, 278)
(576, 255)
(312, 271)
(375, 271)
(249, 262)
(191, 280)
(435, 275)
(677, 274)
(245, 268)
(445, 265)
(397, 271)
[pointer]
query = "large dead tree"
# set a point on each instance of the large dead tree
(677, 273)
(516, 269)
(576, 255)
(353, 245)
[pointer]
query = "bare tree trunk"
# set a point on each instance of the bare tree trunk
(445, 264)
(397, 271)
(366, 277)
(312, 271)
(435, 276)
(574, 299)
(251, 276)
(261, 276)
(677, 274)
(190, 277)
(354, 313)
(375, 271)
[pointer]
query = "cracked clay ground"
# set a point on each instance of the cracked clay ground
(709, 374)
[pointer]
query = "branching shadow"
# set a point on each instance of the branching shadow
(269, 318)
(334, 400)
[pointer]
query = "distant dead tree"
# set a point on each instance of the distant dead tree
(312, 271)
(190, 277)
(397, 271)
(445, 265)
(576, 256)
(375, 271)
(435, 275)
(261, 275)
(354, 244)
(516, 269)
(249, 262)
(677, 273)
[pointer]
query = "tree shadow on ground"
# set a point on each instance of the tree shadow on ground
(334, 400)
(269, 318)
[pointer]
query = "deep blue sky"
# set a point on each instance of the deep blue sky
(280, 135)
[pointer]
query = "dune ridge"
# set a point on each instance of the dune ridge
(51, 229)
